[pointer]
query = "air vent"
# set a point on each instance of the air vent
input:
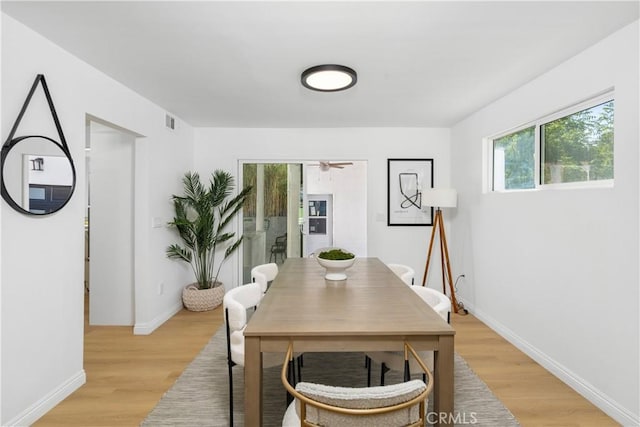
(170, 122)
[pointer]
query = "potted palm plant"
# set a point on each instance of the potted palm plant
(201, 216)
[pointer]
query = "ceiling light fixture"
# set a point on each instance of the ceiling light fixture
(329, 78)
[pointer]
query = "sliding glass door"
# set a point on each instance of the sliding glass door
(272, 215)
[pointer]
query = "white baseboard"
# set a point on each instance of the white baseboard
(44, 405)
(147, 328)
(584, 388)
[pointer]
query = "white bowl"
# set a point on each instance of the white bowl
(335, 268)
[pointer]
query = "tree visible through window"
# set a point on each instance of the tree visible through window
(275, 198)
(513, 160)
(579, 147)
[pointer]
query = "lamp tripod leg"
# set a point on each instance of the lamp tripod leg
(442, 264)
(445, 255)
(434, 229)
(438, 227)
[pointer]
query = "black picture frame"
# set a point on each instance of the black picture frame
(405, 180)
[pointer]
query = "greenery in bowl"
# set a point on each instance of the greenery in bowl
(336, 255)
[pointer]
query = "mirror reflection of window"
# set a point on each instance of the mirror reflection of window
(36, 193)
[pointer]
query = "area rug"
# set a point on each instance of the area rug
(200, 395)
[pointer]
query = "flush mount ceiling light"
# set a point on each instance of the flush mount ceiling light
(329, 78)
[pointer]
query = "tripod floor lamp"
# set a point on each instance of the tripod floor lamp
(441, 198)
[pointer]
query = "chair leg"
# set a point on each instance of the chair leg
(407, 372)
(230, 364)
(367, 364)
(294, 371)
(291, 376)
(230, 394)
(383, 370)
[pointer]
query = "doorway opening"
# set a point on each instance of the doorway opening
(276, 219)
(109, 224)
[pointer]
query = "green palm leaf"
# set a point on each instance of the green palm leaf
(201, 215)
(175, 251)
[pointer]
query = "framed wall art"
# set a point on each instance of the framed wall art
(406, 178)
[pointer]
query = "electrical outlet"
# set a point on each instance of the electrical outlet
(160, 288)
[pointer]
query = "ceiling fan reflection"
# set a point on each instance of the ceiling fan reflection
(325, 166)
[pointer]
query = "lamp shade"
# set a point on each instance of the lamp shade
(440, 198)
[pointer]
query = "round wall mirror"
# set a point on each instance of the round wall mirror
(38, 176)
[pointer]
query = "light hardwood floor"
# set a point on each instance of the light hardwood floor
(532, 394)
(127, 374)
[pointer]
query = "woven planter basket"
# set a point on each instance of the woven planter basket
(195, 299)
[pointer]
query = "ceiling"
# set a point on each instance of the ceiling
(238, 63)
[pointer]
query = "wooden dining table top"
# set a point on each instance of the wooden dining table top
(371, 301)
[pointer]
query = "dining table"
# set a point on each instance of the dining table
(372, 310)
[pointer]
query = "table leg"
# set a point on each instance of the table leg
(252, 382)
(443, 383)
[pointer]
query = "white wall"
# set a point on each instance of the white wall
(43, 258)
(349, 189)
(223, 148)
(556, 271)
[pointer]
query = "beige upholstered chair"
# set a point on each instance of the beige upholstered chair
(404, 272)
(264, 274)
(401, 404)
(393, 360)
(237, 303)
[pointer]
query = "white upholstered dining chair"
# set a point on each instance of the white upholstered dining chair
(393, 360)
(264, 274)
(395, 405)
(404, 272)
(238, 303)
